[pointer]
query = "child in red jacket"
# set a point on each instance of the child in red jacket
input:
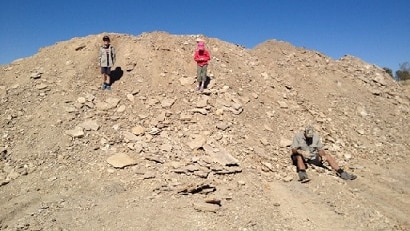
(201, 57)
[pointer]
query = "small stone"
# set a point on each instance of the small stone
(81, 100)
(130, 97)
(236, 106)
(203, 102)
(206, 207)
(264, 141)
(129, 137)
(360, 131)
(41, 86)
(138, 130)
(185, 117)
(202, 111)
(13, 175)
(222, 126)
(113, 101)
(186, 81)
(287, 179)
(283, 143)
(347, 156)
(219, 111)
(198, 141)
(121, 109)
(166, 147)
(149, 175)
(167, 102)
(121, 160)
(35, 75)
(154, 131)
(268, 165)
(80, 47)
(283, 104)
(130, 66)
(76, 132)
(89, 125)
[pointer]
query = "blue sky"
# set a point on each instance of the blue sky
(377, 31)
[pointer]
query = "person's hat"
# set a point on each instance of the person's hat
(309, 130)
(201, 45)
(106, 38)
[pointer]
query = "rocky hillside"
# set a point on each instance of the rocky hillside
(153, 154)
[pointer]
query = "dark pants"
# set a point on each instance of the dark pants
(316, 161)
(106, 70)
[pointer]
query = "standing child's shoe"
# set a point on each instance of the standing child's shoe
(198, 88)
(108, 87)
(103, 86)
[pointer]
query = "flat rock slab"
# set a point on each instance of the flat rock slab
(186, 81)
(220, 155)
(283, 143)
(138, 130)
(197, 142)
(76, 132)
(167, 103)
(206, 207)
(89, 125)
(121, 160)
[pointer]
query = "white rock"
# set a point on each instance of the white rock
(138, 130)
(130, 97)
(283, 104)
(35, 75)
(81, 100)
(121, 109)
(347, 156)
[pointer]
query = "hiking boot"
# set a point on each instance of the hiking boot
(303, 177)
(346, 176)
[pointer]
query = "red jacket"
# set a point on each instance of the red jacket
(202, 57)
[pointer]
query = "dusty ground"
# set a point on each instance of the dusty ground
(59, 130)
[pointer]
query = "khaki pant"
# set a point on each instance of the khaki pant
(201, 73)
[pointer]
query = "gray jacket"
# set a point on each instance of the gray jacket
(107, 56)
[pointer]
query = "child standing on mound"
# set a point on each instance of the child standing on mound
(201, 57)
(107, 60)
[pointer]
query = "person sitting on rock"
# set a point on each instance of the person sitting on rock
(307, 148)
(201, 57)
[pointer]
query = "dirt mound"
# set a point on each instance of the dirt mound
(152, 154)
